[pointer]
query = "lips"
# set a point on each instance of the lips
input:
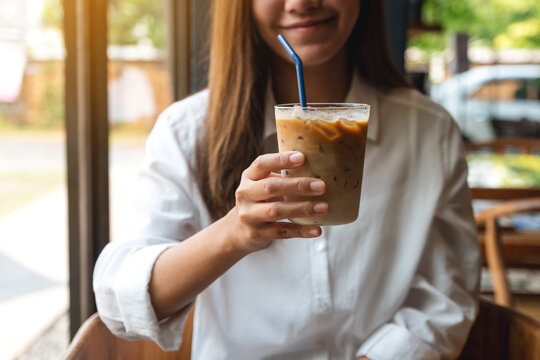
(309, 24)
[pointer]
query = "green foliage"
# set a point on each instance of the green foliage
(133, 21)
(509, 170)
(130, 21)
(495, 23)
(526, 168)
(522, 34)
(52, 15)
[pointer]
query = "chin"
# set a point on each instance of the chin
(316, 55)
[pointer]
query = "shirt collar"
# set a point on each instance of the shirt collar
(359, 92)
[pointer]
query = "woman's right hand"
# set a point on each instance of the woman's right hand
(255, 219)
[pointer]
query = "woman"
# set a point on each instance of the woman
(399, 283)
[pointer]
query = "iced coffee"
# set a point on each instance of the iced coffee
(333, 139)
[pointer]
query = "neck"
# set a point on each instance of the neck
(327, 82)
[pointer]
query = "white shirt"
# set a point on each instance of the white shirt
(399, 283)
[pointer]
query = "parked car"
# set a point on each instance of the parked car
(489, 97)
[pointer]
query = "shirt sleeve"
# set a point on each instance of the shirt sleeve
(437, 314)
(165, 213)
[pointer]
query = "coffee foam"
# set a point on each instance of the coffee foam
(331, 115)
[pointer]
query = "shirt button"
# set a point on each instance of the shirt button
(325, 306)
(320, 246)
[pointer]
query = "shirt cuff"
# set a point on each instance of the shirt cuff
(391, 342)
(136, 307)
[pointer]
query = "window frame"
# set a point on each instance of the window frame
(87, 131)
(87, 148)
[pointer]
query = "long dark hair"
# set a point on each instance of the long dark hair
(237, 80)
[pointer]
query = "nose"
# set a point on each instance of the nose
(301, 6)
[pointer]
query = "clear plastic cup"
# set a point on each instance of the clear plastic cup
(332, 136)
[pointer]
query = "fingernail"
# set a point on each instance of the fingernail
(313, 232)
(316, 185)
(320, 207)
(296, 157)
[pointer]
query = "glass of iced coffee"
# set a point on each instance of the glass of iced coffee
(333, 139)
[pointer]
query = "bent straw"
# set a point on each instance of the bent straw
(299, 69)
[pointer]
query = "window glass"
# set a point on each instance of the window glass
(33, 216)
(533, 90)
(139, 89)
(456, 44)
(502, 90)
(529, 90)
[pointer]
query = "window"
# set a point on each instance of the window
(33, 219)
(139, 88)
(99, 101)
(510, 89)
(500, 90)
(70, 99)
(528, 90)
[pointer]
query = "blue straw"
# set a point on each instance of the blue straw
(299, 69)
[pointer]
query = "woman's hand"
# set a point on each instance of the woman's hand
(260, 205)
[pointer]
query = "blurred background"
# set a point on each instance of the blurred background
(33, 201)
(480, 59)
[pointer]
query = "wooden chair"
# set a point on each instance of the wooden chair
(498, 333)
(94, 341)
(505, 247)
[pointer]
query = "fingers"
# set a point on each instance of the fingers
(285, 230)
(277, 198)
(260, 201)
(266, 164)
(269, 212)
(273, 187)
